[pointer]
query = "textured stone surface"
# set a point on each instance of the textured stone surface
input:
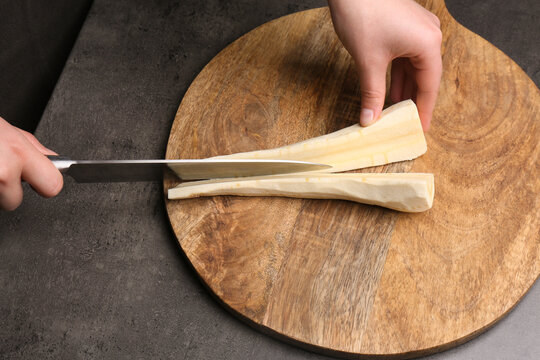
(96, 272)
(36, 40)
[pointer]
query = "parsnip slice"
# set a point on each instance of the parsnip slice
(396, 136)
(410, 192)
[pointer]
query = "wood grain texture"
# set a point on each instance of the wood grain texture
(350, 279)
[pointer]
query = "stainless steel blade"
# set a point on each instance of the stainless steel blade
(85, 171)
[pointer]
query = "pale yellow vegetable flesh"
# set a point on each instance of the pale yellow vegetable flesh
(410, 192)
(396, 136)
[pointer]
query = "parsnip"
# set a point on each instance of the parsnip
(410, 192)
(396, 136)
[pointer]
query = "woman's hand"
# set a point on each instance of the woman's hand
(22, 158)
(399, 31)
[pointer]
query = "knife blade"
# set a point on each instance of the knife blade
(90, 171)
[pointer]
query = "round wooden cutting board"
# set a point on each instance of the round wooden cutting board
(351, 279)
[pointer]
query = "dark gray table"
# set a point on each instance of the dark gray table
(96, 272)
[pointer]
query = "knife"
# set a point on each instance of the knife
(91, 171)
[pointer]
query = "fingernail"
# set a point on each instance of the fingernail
(366, 117)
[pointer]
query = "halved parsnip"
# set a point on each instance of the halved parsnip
(396, 136)
(410, 192)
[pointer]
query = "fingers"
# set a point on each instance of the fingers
(22, 158)
(408, 87)
(373, 89)
(37, 170)
(374, 35)
(427, 78)
(417, 79)
(397, 79)
(32, 139)
(11, 196)
(403, 83)
(40, 172)
(11, 193)
(427, 72)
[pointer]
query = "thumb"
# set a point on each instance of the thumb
(32, 139)
(372, 89)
